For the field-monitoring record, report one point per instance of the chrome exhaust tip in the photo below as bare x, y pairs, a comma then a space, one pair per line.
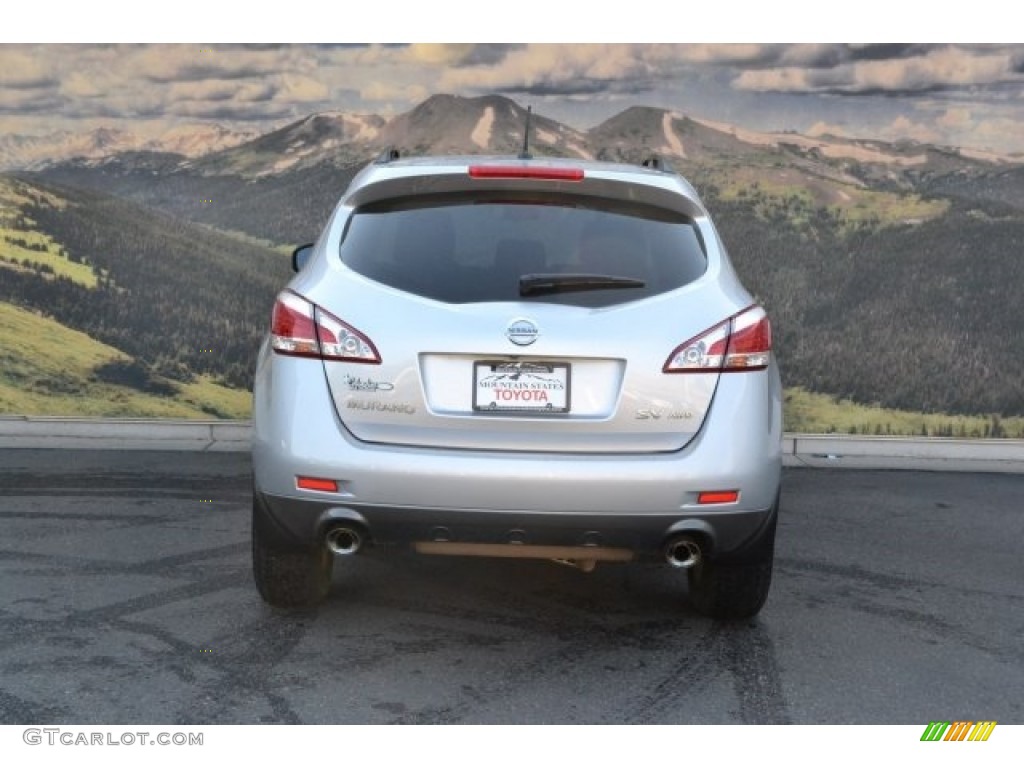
682, 552
344, 541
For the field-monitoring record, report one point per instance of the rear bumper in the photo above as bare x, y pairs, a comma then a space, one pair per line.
304, 524
404, 494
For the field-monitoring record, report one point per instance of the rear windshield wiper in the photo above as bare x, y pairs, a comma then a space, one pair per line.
532, 285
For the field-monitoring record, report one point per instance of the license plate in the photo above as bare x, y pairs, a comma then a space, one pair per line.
521, 387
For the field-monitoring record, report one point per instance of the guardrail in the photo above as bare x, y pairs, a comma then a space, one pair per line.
124, 434
932, 453
852, 451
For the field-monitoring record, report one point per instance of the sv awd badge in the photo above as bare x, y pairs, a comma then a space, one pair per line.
522, 332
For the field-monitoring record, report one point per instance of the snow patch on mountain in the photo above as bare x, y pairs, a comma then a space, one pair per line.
830, 149
481, 135
673, 145
364, 127
191, 140
573, 147
197, 139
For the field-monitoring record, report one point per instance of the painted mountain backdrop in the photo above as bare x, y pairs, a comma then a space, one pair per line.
136, 277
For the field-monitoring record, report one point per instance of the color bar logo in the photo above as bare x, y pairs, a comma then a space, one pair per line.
961, 730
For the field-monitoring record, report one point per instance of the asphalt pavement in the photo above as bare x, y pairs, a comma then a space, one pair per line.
126, 597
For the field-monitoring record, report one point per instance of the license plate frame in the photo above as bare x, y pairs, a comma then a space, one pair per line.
526, 388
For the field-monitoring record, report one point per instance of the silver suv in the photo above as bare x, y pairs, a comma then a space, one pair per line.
539, 358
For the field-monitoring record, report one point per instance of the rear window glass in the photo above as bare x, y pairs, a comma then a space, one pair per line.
462, 250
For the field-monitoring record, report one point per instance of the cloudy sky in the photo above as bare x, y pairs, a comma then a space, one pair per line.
955, 94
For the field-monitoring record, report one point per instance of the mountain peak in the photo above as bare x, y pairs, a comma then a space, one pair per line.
447, 124
449, 100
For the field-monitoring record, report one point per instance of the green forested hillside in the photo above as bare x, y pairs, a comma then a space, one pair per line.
287, 209
177, 297
919, 316
47, 368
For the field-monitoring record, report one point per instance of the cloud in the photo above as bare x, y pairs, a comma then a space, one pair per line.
955, 118
903, 128
220, 91
747, 54
490, 53
438, 54
564, 69
26, 101
165, 81
821, 128
391, 91
78, 85
960, 93
21, 69
999, 134
458, 54
229, 112
123, 104
782, 79
917, 69
177, 63
805, 55
880, 51
302, 89
979, 124
941, 68
802, 68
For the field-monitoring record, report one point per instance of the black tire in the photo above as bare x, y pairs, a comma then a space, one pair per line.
736, 588
288, 576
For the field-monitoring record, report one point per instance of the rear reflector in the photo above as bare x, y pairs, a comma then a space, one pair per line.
316, 484
717, 497
525, 172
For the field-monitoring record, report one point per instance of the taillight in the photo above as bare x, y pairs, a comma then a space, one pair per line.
300, 328
741, 343
525, 172
292, 330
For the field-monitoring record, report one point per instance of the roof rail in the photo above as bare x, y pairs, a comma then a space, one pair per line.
388, 155
658, 163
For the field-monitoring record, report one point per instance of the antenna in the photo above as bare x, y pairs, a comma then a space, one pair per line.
525, 154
